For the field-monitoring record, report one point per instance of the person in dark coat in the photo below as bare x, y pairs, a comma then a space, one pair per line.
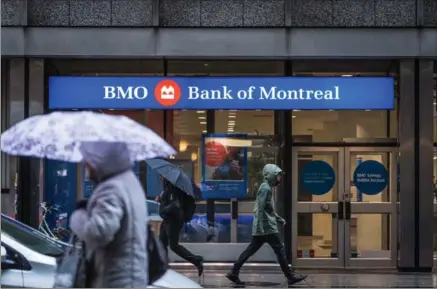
172, 215
265, 228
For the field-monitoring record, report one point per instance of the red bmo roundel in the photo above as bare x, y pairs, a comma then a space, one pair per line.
167, 92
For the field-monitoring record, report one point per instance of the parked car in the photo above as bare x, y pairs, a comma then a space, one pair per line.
28, 259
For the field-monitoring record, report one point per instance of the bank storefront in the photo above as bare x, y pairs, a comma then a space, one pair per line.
354, 138
341, 198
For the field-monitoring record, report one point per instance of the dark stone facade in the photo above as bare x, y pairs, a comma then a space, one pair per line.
221, 13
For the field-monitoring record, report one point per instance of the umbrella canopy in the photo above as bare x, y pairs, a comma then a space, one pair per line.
58, 135
174, 175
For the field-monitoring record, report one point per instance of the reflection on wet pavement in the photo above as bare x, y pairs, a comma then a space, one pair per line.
324, 280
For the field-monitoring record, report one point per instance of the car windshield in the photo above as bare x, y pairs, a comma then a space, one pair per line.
30, 238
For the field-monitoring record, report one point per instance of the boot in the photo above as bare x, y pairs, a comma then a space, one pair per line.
296, 278
233, 277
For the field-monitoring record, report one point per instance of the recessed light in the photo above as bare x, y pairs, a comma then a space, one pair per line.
204, 131
293, 116
203, 122
367, 109
347, 75
232, 116
233, 110
200, 111
296, 109
202, 117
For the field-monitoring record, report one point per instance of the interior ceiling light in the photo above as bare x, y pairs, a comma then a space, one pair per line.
233, 110
203, 131
200, 111
203, 122
347, 75
232, 116
293, 116
202, 117
194, 156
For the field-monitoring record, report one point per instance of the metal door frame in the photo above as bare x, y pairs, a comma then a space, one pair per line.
343, 226
389, 208
315, 207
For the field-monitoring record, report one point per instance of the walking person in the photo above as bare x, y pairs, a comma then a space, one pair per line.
113, 222
265, 228
171, 211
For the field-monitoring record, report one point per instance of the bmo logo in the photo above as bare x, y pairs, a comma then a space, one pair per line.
125, 92
167, 92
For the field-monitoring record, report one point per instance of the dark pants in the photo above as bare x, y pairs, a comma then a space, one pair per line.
256, 243
169, 236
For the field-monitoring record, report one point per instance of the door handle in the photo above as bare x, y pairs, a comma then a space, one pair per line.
347, 210
341, 210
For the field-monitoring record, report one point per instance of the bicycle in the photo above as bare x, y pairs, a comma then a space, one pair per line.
59, 232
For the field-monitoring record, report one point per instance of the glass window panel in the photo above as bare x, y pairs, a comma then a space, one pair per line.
336, 126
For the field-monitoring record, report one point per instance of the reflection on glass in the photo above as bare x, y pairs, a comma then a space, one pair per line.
335, 126
244, 232
317, 236
255, 164
252, 122
370, 236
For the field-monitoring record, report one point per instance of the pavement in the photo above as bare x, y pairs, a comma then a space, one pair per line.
213, 279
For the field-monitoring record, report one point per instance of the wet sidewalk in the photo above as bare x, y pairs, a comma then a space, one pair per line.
321, 280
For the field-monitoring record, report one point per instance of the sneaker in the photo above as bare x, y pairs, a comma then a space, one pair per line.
296, 278
235, 279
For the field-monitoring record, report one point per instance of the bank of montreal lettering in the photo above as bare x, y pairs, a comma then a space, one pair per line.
221, 93
224, 93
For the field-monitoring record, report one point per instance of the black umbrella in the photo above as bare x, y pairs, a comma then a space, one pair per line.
174, 175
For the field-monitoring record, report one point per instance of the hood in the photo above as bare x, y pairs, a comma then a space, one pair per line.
270, 172
107, 158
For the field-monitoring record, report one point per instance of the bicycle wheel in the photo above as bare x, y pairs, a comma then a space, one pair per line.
62, 234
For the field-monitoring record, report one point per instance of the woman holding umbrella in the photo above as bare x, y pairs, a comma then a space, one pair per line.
177, 205
111, 225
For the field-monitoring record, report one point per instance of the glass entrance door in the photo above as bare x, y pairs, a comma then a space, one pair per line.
344, 207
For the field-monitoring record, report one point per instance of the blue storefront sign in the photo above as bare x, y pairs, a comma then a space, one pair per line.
370, 177
244, 93
317, 178
224, 166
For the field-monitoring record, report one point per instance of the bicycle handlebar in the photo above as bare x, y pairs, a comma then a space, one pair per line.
47, 207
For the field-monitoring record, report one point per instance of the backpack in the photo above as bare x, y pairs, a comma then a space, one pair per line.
188, 206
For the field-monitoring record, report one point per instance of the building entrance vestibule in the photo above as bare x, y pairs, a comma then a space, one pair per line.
334, 224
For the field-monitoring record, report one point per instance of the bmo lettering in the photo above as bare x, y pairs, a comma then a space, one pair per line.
129, 92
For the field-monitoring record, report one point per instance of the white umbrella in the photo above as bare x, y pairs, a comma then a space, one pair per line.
57, 136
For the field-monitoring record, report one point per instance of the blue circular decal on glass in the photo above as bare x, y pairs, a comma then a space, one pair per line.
317, 177
370, 177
